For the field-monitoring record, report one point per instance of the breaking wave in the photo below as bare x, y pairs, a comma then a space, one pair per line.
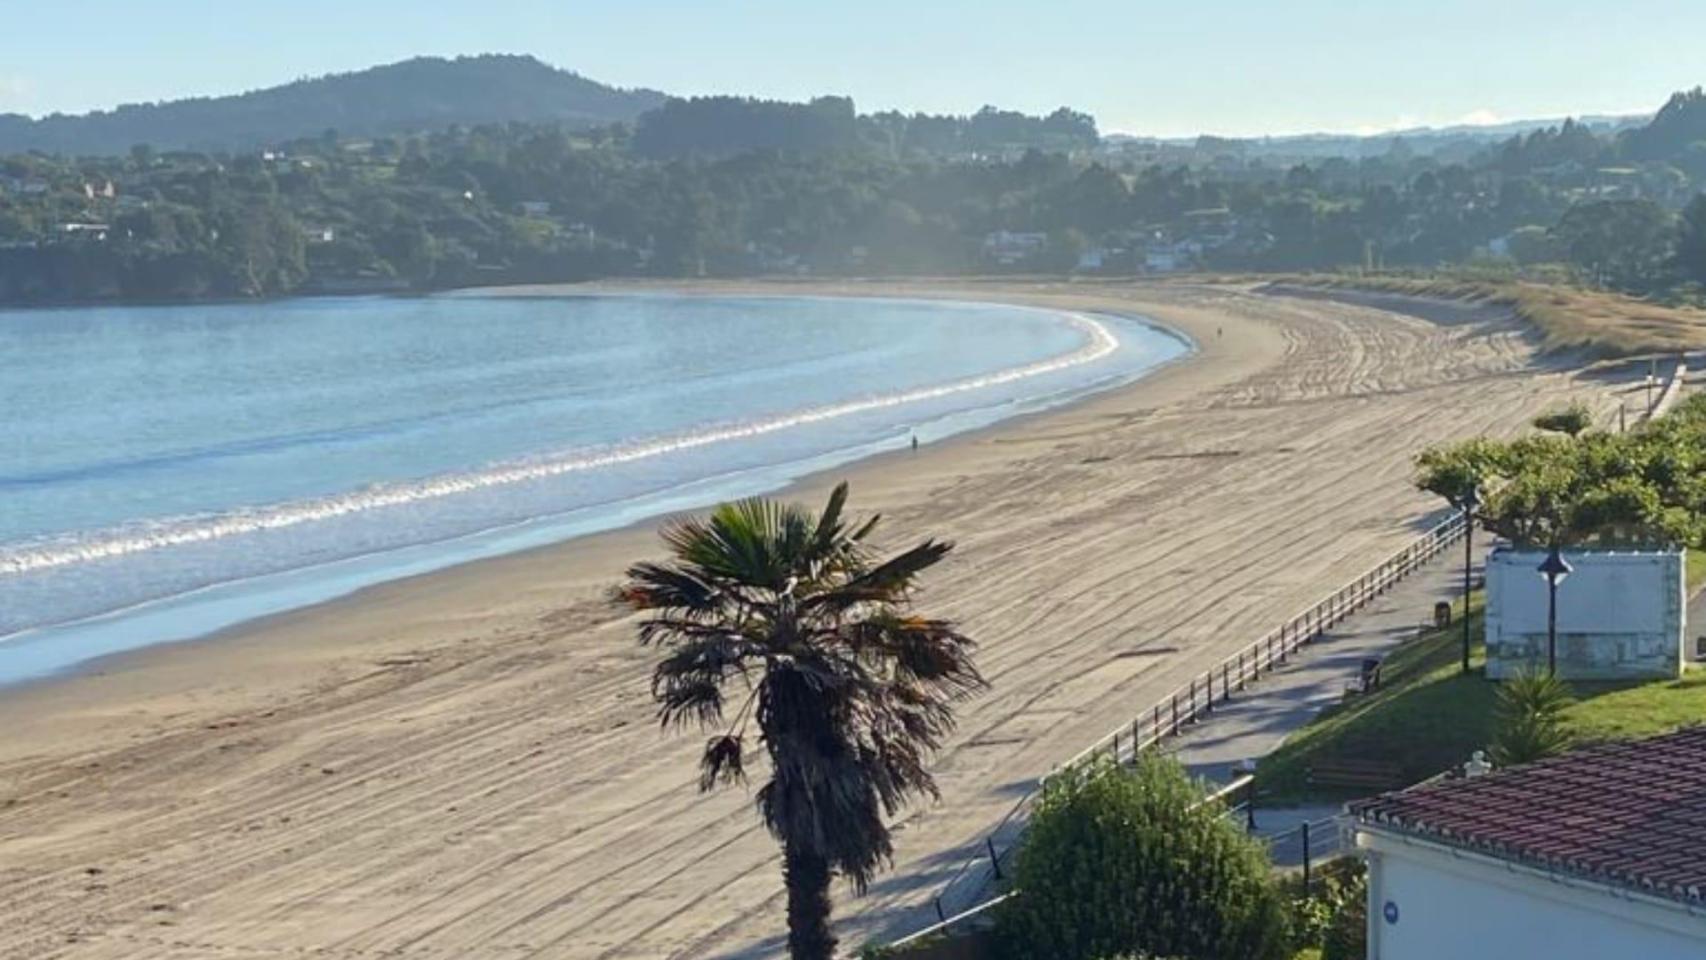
153, 535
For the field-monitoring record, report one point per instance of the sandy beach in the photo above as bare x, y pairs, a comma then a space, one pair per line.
466, 764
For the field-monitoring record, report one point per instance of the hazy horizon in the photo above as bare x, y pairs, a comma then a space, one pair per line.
1318, 66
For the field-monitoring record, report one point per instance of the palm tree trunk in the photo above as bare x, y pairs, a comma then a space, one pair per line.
806, 876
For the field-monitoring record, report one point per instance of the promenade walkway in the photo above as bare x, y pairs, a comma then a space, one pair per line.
1257, 719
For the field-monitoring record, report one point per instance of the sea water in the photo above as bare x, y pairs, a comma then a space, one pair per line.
169, 471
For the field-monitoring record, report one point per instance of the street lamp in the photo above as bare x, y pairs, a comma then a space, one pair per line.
1469, 501
1554, 568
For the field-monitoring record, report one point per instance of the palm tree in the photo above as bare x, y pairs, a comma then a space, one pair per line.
1529, 722
793, 615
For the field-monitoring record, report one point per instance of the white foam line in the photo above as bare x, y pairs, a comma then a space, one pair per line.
1101, 343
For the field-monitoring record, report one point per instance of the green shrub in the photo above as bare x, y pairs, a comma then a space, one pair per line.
1529, 719
1132, 860
1574, 420
1346, 934
1330, 918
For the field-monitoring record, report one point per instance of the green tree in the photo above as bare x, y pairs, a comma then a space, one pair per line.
1644, 487
1619, 243
1572, 420
1135, 860
409, 249
1331, 916
262, 250
1346, 934
1452, 472
1533, 244
1529, 719
850, 691
1691, 240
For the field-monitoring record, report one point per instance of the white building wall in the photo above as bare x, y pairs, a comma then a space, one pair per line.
1620, 614
1428, 904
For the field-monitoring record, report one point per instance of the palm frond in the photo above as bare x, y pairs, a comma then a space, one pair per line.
932, 652
887, 582
683, 698
722, 762
652, 586
829, 522
865, 529
688, 683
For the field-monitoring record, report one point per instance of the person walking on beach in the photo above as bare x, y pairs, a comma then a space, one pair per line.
915, 443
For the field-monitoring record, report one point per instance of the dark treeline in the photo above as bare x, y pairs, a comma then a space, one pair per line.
710, 126
729, 187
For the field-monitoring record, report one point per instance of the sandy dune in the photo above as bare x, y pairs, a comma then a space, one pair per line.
466, 765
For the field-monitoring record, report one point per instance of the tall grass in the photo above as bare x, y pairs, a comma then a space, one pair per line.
1567, 317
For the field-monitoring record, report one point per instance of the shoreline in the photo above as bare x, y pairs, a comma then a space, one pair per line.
638, 538
647, 511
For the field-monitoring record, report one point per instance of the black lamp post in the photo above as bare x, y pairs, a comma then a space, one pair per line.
1554, 568
1468, 502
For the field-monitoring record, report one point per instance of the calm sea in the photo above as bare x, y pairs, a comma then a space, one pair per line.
168, 471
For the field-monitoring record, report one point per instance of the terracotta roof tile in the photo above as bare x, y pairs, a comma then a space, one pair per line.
1631, 814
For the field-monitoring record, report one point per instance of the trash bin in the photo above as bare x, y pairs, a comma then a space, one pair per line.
1442, 614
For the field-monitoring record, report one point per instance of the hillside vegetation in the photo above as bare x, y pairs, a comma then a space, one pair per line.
730, 186
425, 93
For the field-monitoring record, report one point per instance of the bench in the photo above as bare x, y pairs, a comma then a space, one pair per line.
1356, 773
1368, 677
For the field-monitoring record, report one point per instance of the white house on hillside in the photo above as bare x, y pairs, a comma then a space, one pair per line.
1595, 855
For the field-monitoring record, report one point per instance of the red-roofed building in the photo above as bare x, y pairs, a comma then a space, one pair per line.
1595, 855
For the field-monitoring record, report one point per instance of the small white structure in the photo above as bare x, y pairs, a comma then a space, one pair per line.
1008, 248
1589, 856
1091, 259
96, 230
1621, 614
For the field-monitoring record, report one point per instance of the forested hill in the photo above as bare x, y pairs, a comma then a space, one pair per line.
426, 93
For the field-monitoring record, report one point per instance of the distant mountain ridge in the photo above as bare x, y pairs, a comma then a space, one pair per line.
1503, 130
423, 93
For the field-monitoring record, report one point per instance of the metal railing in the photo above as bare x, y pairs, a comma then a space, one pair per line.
1672, 390
1168, 716
1305, 846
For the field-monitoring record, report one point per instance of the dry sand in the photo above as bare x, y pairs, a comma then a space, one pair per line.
465, 765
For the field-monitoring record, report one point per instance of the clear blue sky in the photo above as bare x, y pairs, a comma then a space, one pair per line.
1176, 67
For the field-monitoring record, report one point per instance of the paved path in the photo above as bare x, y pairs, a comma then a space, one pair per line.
1260, 717
1281, 828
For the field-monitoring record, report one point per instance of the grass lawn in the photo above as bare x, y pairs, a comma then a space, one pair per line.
1428, 715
